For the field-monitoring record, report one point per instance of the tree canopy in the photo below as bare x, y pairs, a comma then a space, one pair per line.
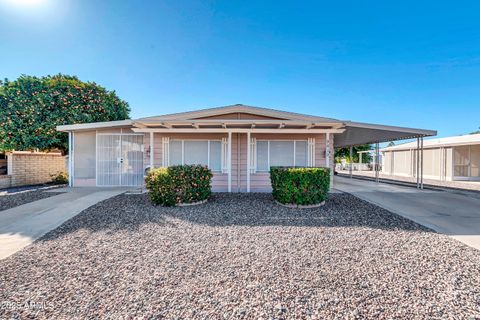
32, 107
345, 153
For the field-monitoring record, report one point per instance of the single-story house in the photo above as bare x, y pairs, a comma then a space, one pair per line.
445, 159
238, 143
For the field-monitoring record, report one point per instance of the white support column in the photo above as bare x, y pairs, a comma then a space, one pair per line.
421, 163
417, 160
351, 162
377, 165
229, 158
70, 180
248, 160
72, 174
151, 150
327, 150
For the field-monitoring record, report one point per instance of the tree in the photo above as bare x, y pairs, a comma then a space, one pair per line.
32, 107
476, 132
341, 153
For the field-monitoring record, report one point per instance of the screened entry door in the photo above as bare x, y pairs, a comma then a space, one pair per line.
119, 160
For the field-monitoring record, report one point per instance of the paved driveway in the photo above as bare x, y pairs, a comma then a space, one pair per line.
449, 212
20, 226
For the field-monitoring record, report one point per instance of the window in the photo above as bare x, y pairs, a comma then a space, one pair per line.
286, 153
204, 152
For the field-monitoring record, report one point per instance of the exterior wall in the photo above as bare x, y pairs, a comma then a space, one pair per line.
449, 164
438, 164
84, 151
219, 180
5, 181
259, 181
84, 159
30, 168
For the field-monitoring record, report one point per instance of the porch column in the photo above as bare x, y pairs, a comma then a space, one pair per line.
351, 162
70, 180
327, 150
229, 161
248, 161
151, 150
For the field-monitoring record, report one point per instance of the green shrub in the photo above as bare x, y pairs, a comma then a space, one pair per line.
60, 178
179, 184
300, 186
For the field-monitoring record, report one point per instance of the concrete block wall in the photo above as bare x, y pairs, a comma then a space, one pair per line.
29, 168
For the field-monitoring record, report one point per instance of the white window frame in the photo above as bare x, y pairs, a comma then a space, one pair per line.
208, 151
268, 151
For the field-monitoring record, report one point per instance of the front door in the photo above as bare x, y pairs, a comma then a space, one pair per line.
119, 159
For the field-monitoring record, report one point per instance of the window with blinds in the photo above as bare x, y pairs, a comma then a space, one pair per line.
281, 153
203, 152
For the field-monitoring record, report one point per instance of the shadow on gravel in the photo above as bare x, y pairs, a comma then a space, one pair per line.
130, 212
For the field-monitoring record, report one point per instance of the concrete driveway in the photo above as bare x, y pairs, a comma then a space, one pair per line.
20, 226
452, 213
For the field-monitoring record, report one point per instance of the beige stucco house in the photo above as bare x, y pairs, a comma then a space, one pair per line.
446, 159
238, 143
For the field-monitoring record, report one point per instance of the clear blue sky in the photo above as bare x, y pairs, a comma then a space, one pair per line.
407, 63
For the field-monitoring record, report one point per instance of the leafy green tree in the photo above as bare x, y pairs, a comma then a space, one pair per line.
341, 153
475, 132
32, 107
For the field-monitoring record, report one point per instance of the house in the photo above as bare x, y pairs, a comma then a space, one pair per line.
446, 159
239, 143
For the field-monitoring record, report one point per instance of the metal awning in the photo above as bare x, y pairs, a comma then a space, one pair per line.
358, 133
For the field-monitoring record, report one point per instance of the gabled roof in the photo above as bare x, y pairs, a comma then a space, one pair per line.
240, 108
220, 119
440, 142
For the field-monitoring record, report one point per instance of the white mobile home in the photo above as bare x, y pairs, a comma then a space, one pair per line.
447, 159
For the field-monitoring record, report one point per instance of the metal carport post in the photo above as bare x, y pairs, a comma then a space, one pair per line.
377, 162
419, 162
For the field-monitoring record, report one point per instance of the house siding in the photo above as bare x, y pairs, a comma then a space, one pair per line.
259, 181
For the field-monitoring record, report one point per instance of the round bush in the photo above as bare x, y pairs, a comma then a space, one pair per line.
300, 186
179, 184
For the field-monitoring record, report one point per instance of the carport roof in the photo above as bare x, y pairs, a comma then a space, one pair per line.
358, 133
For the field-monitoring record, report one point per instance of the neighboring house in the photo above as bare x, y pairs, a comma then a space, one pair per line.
445, 159
239, 143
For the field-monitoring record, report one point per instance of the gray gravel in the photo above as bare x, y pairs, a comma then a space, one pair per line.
10, 198
242, 256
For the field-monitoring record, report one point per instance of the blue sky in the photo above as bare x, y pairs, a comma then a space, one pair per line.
407, 63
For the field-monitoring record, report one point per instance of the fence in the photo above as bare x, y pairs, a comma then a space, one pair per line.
30, 168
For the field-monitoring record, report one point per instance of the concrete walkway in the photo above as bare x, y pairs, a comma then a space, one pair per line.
22, 225
452, 213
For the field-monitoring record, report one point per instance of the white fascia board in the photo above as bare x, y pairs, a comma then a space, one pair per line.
94, 125
415, 131
238, 130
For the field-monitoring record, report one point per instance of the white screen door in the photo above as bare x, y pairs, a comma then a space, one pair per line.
119, 160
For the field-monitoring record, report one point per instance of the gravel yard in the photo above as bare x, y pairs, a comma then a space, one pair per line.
10, 198
241, 256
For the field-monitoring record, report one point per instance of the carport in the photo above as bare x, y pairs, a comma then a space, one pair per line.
358, 133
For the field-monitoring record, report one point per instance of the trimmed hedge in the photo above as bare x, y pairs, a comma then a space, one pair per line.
300, 186
179, 184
